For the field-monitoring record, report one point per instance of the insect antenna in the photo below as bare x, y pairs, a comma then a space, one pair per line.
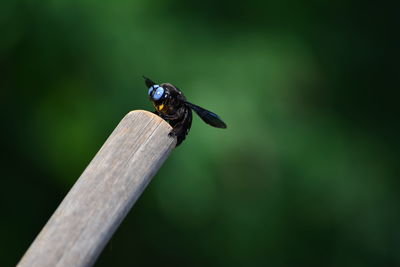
148, 82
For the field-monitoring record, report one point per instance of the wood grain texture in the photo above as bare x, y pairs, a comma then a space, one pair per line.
100, 199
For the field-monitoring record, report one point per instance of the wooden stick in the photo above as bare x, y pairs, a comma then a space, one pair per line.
100, 199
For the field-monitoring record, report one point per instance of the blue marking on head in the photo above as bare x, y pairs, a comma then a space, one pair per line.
152, 88
158, 93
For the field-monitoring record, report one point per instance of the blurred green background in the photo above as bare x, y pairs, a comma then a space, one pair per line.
305, 174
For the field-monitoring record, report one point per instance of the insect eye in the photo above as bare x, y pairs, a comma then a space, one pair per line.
152, 88
158, 93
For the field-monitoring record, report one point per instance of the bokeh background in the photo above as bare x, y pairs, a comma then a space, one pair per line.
306, 173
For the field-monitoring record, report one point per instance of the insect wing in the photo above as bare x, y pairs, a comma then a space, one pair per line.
207, 116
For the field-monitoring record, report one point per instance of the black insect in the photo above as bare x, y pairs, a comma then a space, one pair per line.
171, 105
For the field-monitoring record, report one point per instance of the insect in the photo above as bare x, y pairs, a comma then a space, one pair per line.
171, 105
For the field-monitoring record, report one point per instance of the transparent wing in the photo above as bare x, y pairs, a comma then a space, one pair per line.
207, 116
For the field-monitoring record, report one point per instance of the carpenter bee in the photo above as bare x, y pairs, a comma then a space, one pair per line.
171, 105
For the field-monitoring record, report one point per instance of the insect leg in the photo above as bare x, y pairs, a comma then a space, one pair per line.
182, 126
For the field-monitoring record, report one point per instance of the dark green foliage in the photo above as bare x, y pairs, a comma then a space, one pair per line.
306, 174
